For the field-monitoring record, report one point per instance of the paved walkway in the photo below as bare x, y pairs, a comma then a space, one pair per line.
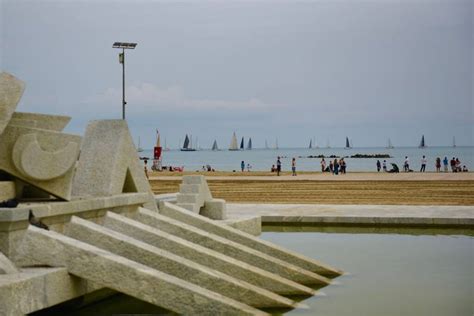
400, 215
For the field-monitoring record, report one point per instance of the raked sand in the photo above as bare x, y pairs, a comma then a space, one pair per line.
362, 188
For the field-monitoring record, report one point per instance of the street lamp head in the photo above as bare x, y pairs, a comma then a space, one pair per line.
124, 45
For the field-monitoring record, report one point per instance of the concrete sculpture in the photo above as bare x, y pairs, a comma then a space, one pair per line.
107, 233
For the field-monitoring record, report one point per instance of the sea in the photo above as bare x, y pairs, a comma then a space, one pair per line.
263, 159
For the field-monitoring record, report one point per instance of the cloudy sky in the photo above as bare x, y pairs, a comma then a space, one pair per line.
293, 70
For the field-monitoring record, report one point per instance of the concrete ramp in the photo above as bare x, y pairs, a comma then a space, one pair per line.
169, 263
229, 248
248, 240
127, 276
205, 256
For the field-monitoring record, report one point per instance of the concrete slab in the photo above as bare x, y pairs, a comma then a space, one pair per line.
205, 256
6, 266
7, 190
248, 240
127, 276
229, 248
179, 267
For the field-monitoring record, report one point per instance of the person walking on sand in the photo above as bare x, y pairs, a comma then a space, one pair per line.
278, 166
242, 166
445, 164
406, 164
423, 164
384, 165
323, 165
378, 165
293, 166
438, 164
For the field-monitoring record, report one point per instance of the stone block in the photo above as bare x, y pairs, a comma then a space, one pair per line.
191, 207
169, 263
109, 163
7, 190
6, 266
43, 121
190, 188
214, 209
127, 276
11, 90
248, 240
249, 224
229, 248
204, 256
184, 198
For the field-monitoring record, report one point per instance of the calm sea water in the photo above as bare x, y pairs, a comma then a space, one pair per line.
262, 159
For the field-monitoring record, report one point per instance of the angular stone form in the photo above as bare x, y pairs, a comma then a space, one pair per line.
43, 121
109, 164
11, 90
6, 266
127, 276
179, 267
229, 248
248, 240
205, 256
195, 196
42, 158
7, 190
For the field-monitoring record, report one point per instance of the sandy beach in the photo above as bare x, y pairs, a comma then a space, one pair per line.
316, 188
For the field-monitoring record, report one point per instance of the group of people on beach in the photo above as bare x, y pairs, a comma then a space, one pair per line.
335, 166
455, 164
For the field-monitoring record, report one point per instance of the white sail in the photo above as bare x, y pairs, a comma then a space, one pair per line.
454, 141
266, 144
158, 139
389, 145
276, 143
233, 143
139, 148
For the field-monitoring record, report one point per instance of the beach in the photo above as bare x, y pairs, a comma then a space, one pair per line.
359, 188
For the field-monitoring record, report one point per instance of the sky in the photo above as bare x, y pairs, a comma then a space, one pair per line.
292, 70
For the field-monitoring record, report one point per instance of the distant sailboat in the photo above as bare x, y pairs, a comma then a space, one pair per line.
327, 144
276, 143
348, 145
139, 148
233, 143
454, 142
389, 145
187, 145
242, 144
249, 144
422, 143
266, 145
310, 144
214, 146
166, 147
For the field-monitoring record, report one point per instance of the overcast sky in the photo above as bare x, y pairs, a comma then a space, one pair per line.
293, 70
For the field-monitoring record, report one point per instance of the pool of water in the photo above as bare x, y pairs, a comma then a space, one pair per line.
388, 273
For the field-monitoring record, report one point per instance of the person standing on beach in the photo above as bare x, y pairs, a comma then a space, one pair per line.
278, 166
378, 165
331, 166
293, 166
242, 166
323, 165
336, 167
445, 163
384, 165
423, 164
342, 164
406, 164
438, 164
453, 164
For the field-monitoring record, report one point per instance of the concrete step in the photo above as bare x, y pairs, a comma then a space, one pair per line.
190, 188
190, 207
179, 267
189, 198
204, 256
229, 248
248, 240
127, 276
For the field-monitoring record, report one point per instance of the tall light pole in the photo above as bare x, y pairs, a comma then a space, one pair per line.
123, 46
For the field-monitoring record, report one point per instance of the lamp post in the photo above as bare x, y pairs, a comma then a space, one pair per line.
123, 46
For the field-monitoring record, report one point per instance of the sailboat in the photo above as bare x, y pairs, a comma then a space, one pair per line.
187, 146
233, 143
242, 144
348, 145
389, 145
327, 144
422, 143
454, 142
310, 144
139, 148
276, 143
249, 144
266, 145
166, 147
214, 146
